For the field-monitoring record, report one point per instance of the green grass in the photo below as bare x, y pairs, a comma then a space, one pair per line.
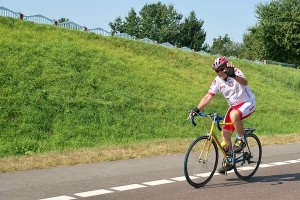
64, 90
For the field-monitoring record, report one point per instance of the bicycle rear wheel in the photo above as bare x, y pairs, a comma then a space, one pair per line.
247, 162
200, 161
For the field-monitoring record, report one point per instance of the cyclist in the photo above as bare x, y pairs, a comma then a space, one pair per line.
233, 85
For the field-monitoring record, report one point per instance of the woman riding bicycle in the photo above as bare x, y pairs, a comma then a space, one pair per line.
233, 85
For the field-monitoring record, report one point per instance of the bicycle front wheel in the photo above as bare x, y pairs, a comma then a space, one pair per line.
200, 161
247, 162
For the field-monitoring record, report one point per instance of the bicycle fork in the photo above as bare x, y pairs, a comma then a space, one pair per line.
207, 146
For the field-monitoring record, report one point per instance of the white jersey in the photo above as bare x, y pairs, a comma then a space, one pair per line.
233, 92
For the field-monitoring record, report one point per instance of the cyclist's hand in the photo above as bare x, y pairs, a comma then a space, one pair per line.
194, 112
230, 70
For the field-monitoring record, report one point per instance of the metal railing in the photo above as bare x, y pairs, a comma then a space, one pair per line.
9, 13
39, 19
72, 25
99, 31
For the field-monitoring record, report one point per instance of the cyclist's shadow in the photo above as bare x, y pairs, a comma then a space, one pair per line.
273, 179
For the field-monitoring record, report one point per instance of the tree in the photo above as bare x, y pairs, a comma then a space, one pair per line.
132, 23
61, 20
252, 44
117, 25
220, 45
277, 34
163, 24
192, 34
226, 47
160, 22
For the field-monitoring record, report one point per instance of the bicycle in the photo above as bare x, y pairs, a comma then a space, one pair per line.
201, 159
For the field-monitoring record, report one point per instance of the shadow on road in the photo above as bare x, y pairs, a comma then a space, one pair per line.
273, 179
276, 179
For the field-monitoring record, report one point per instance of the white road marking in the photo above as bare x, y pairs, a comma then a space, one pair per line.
159, 182
180, 178
93, 193
204, 174
246, 168
265, 165
128, 187
193, 177
279, 163
60, 198
292, 161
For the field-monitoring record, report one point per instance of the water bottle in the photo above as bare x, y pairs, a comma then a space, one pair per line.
225, 147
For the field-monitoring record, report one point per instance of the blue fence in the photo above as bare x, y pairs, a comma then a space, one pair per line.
72, 25
9, 13
40, 19
99, 31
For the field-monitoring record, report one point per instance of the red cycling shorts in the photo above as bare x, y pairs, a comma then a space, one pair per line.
245, 109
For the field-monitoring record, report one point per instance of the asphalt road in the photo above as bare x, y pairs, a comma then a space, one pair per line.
156, 178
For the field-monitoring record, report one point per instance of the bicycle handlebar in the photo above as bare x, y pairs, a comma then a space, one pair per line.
214, 117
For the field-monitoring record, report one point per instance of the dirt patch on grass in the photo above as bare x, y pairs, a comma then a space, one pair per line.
110, 153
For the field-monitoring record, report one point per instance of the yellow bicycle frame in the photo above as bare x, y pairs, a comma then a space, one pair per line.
212, 136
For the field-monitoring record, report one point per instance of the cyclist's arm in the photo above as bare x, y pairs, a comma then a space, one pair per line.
205, 100
241, 80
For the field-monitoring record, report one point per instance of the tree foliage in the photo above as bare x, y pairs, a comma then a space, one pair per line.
192, 34
162, 23
63, 19
117, 25
276, 36
131, 24
226, 47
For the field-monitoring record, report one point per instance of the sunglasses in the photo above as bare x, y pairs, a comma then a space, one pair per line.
218, 70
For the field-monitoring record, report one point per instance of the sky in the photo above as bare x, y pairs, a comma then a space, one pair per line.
232, 17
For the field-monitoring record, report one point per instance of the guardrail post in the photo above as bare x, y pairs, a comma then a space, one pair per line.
21, 16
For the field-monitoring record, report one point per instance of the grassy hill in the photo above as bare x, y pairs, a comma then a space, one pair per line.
63, 89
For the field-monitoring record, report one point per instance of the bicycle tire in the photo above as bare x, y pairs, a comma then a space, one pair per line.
199, 172
250, 156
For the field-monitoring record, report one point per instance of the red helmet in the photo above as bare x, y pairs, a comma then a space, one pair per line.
219, 62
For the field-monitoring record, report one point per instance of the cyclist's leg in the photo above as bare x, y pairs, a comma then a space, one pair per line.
226, 136
236, 119
239, 113
227, 130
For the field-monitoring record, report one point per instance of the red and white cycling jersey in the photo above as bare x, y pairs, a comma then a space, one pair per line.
233, 92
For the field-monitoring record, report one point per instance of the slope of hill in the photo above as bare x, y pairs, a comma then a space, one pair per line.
63, 89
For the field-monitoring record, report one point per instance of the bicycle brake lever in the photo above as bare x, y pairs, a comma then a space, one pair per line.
193, 121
